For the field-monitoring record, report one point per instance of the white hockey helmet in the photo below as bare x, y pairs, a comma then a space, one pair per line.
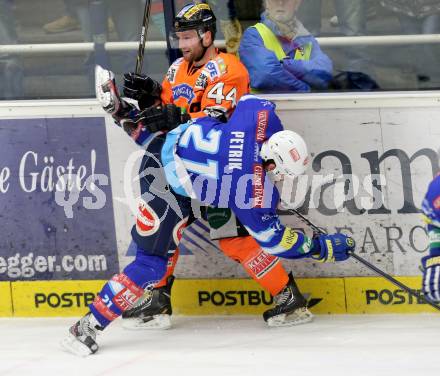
288, 150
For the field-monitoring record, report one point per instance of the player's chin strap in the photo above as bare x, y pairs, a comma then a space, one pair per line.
318, 231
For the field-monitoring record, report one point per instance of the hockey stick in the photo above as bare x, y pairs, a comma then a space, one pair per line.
317, 230
143, 38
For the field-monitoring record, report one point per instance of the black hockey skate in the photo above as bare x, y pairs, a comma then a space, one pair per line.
152, 311
290, 307
81, 340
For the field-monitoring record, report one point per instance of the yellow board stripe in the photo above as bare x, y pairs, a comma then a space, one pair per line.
53, 298
5, 299
243, 296
353, 295
375, 295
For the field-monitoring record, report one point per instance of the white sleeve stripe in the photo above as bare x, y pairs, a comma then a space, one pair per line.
426, 279
436, 283
263, 236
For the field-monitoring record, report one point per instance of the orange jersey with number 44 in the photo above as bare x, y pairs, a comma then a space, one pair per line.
218, 84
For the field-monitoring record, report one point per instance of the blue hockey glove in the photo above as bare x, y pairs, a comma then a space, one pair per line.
331, 248
431, 277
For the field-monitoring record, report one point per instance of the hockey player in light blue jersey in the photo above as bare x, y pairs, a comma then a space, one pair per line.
431, 263
226, 165
223, 165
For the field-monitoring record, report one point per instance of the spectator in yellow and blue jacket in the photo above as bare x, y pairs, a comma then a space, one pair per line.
281, 55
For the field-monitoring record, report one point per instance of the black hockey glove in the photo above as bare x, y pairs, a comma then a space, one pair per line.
163, 118
143, 89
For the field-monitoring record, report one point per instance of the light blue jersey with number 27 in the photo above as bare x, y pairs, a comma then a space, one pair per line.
219, 164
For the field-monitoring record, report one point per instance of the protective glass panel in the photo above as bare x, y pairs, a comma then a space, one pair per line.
60, 62
336, 45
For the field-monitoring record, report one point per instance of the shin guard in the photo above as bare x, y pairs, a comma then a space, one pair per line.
264, 268
123, 290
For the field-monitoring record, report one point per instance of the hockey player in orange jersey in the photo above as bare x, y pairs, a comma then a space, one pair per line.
204, 82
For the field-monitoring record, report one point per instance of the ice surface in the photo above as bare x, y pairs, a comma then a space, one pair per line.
331, 345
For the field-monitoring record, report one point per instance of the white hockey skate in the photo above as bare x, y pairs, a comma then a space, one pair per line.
290, 307
81, 340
